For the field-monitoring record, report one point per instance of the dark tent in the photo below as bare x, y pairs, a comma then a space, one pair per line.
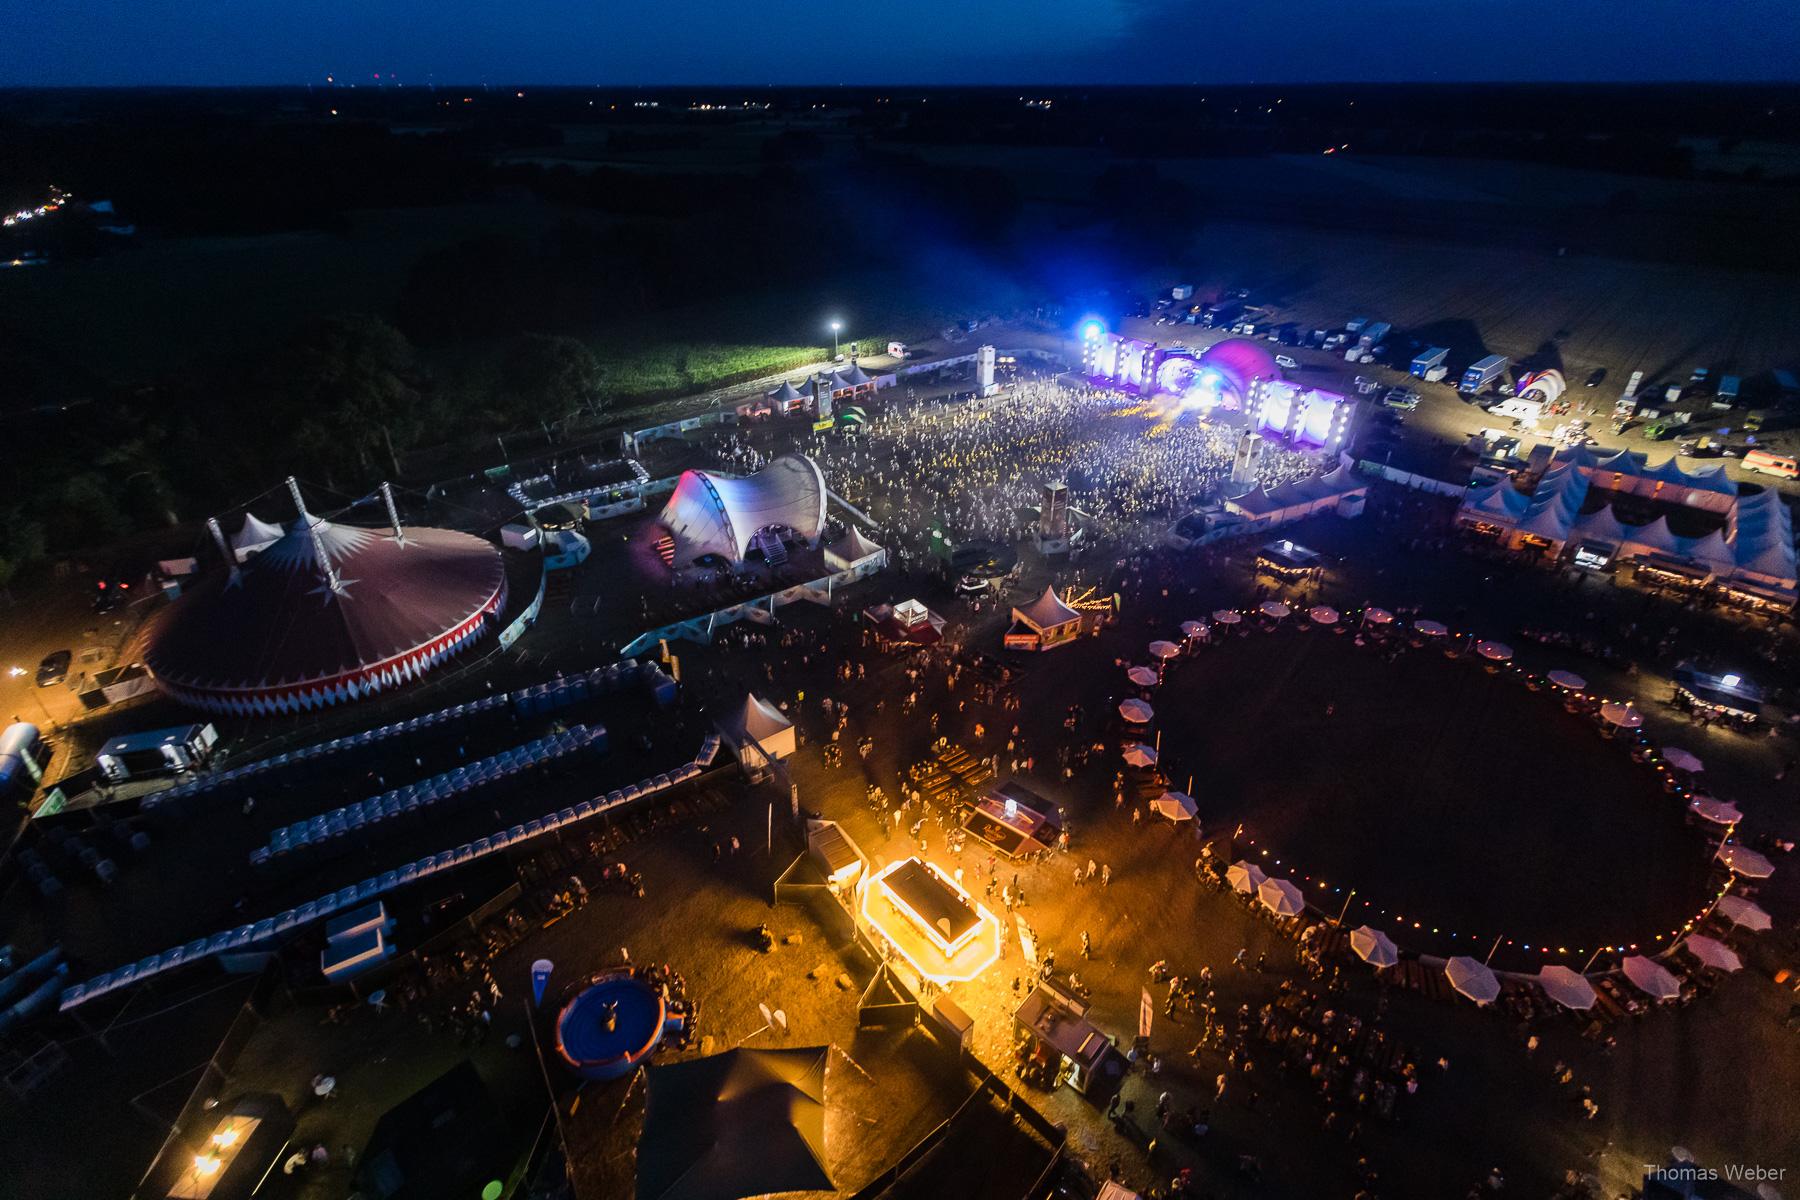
446, 1141
742, 1123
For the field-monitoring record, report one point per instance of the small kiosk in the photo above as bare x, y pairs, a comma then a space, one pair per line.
1044, 624
1057, 1040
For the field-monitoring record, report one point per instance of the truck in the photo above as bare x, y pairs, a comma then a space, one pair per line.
1729, 387
158, 752
1432, 356
1482, 373
1373, 333
1182, 291
1355, 325
1221, 314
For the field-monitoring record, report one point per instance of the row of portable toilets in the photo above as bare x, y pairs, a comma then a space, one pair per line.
414, 797
261, 935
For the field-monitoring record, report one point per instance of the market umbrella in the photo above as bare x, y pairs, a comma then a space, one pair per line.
1431, 628
1140, 755
1683, 760
1745, 861
1622, 715
1193, 629
1568, 987
1164, 650
1136, 711
1142, 676
1177, 806
1494, 651
1374, 947
1568, 681
1228, 616
1472, 979
1746, 914
1651, 977
1324, 614
1281, 897
1275, 609
1719, 812
1713, 952
1244, 877
1380, 616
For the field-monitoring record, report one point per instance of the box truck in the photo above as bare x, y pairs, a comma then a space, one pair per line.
1432, 357
1483, 373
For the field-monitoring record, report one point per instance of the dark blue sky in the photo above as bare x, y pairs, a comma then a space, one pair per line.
77, 42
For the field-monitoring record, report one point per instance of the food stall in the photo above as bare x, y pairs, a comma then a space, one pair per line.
1056, 1042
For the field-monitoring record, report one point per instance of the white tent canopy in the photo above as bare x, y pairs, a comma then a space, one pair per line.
759, 723
714, 513
1374, 947
1651, 977
1567, 987
1281, 897
1472, 979
256, 536
1244, 877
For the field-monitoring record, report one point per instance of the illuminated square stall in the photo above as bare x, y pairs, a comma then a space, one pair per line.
930, 922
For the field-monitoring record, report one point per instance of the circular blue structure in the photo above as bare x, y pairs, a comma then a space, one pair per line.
611, 1026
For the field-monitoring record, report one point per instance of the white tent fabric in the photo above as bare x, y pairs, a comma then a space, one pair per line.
1745, 914
1281, 897
759, 723
1374, 947
1192, 628
1324, 614
1140, 755
1719, 812
256, 536
1164, 650
1431, 628
1175, 806
1275, 609
1651, 977
714, 513
1567, 987
1472, 979
853, 547
1244, 877
1713, 953
1046, 612
1744, 861
1683, 760
1568, 680
1622, 715
1228, 616
1494, 651
1378, 616
1136, 711
1142, 676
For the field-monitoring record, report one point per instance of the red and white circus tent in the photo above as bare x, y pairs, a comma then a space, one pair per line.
327, 613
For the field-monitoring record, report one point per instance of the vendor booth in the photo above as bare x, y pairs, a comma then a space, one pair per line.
1057, 1039
930, 922
1043, 624
1722, 695
759, 733
1014, 820
904, 626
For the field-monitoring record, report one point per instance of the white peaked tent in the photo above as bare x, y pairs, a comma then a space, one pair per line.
759, 723
1043, 623
255, 537
850, 549
714, 513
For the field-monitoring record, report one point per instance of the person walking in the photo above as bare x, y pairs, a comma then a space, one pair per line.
1087, 947
1106, 875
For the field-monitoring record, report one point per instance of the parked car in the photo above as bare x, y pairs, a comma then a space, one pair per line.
1400, 398
54, 669
1596, 377
1286, 361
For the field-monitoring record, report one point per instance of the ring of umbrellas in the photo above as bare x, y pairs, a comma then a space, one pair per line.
1676, 960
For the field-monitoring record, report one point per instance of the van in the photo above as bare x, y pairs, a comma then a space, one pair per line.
1769, 463
1286, 362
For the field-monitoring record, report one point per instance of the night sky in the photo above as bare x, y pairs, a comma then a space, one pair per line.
219, 42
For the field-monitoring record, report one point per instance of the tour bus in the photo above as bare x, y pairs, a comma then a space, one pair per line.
1770, 463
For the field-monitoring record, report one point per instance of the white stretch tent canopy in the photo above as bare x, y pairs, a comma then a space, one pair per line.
713, 513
